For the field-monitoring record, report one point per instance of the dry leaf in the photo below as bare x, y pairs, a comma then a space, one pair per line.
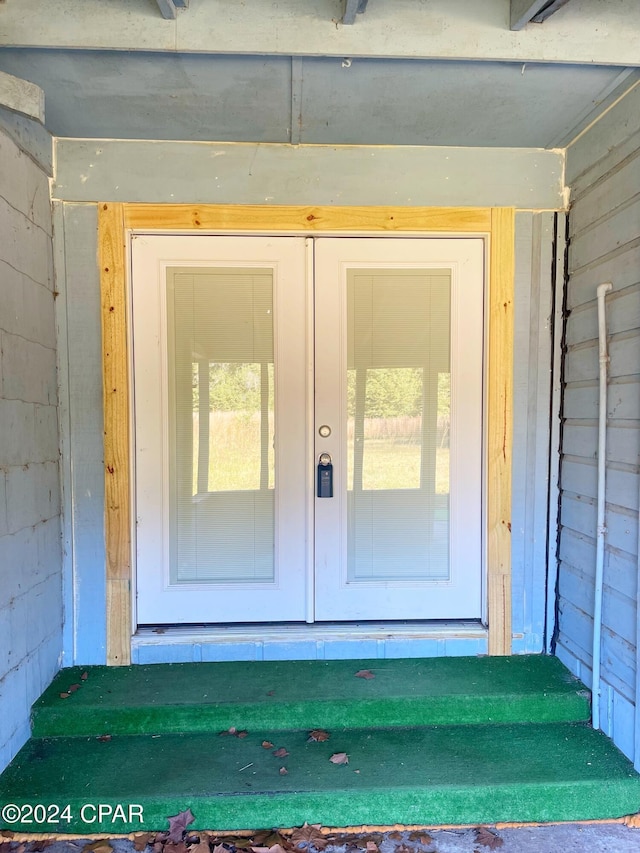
271, 838
372, 847
235, 732
365, 673
201, 847
84, 676
309, 834
339, 758
175, 847
178, 825
266, 744
276, 848
65, 695
141, 840
220, 848
283, 772
318, 735
100, 846
104, 738
281, 753
488, 838
73, 687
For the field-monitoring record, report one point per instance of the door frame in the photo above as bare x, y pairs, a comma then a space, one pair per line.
117, 220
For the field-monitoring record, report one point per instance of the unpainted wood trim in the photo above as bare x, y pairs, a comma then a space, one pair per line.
115, 219
500, 428
278, 218
117, 442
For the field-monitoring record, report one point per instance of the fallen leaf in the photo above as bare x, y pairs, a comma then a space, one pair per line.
178, 825
104, 738
235, 732
309, 834
339, 758
73, 687
276, 848
280, 753
365, 673
84, 676
372, 847
266, 744
141, 840
241, 842
270, 838
488, 838
65, 695
201, 847
175, 847
100, 846
283, 772
242, 733
318, 735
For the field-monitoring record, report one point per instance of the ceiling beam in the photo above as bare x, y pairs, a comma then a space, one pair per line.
353, 8
167, 9
548, 10
525, 11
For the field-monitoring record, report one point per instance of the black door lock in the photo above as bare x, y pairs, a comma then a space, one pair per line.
325, 476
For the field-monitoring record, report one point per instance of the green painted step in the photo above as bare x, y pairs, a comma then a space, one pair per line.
436, 775
210, 697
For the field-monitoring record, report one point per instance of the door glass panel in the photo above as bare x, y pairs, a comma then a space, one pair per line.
221, 425
398, 410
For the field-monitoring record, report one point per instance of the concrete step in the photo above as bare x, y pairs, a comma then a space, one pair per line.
271, 695
470, 774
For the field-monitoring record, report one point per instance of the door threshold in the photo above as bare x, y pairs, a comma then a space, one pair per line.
299, 641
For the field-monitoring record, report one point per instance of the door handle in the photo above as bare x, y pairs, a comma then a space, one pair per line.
325, 476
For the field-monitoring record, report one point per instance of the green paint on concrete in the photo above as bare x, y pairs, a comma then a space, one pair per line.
209, 697
449, 774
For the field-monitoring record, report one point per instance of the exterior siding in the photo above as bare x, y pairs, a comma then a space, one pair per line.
604, 173
30, 551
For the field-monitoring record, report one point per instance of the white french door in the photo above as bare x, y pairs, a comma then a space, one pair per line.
243, 382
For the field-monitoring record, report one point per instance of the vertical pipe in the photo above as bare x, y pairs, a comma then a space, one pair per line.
603, 359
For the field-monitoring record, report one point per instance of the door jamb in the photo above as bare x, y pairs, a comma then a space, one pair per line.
114, 222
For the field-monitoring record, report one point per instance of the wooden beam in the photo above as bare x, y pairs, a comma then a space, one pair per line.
522, 11
353, 8
500, 428
117, 443
168, 9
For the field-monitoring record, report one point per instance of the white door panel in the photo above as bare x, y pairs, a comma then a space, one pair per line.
399, 326
220, 372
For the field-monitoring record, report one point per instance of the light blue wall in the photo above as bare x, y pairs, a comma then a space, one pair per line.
30, 551
223, 173
604, 173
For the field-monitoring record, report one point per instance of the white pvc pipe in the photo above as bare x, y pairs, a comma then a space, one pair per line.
603, 359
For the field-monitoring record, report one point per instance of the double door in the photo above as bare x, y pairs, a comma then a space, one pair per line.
308, 428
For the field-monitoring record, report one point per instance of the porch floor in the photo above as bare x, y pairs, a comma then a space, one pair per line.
436, 741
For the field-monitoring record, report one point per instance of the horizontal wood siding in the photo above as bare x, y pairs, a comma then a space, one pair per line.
604, 171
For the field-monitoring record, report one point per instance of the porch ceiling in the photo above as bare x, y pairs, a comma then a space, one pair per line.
324, 100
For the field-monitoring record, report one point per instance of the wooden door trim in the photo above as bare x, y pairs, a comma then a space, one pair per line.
114, 221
